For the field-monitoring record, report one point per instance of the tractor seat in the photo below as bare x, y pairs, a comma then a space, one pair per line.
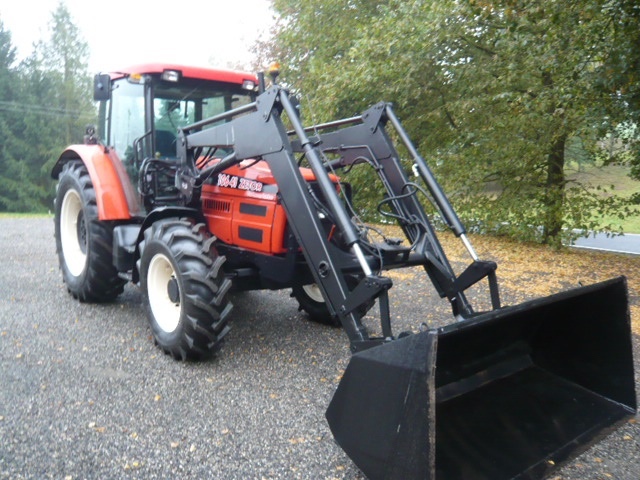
165, 144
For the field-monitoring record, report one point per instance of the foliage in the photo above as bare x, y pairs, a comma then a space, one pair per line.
497, 94
44, 106
9, 118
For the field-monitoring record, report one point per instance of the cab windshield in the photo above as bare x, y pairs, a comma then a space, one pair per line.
178, 105
145, 117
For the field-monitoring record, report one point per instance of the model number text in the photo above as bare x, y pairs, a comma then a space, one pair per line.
232, 181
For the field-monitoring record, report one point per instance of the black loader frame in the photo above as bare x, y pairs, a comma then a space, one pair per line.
502, 394
261, 134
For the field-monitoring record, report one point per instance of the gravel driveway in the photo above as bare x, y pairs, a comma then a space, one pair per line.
86, 395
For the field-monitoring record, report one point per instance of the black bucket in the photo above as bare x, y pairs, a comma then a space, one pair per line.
509, 394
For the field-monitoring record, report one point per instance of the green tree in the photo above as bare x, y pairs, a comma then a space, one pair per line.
619, 76
56, 94
532, 87
64, 59
16, 188
493, 92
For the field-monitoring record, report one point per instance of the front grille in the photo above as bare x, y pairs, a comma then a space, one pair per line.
221, 206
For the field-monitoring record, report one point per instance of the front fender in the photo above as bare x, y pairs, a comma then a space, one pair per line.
115, 196
160, 214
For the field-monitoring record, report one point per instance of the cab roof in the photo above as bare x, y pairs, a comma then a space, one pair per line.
187, 71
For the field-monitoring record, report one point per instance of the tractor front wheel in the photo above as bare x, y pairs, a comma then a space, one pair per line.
83, 242
184, 288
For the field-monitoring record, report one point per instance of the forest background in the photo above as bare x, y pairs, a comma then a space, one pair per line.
526, 111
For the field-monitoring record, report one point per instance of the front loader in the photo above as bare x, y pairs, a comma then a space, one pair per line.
250, 198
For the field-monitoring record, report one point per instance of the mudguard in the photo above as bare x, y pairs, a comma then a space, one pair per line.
115, 196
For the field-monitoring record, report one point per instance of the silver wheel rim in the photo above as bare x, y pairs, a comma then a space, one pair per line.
75, 256
314, 293
165, 312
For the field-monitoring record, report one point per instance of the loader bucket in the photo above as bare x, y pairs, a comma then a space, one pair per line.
508, 394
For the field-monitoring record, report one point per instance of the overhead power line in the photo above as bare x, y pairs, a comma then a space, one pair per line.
40, 110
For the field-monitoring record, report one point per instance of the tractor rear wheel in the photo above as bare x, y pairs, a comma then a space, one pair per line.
184, 288
310, 300
83, 242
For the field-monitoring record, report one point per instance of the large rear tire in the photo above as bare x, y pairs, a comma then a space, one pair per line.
310, 300
83, 242
184, 288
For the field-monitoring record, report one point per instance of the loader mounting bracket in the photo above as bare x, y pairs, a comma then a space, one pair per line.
475, 272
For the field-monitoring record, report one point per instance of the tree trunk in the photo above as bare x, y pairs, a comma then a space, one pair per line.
555, 193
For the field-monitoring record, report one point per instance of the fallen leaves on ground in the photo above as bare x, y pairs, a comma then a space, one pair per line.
527, 271
532, 271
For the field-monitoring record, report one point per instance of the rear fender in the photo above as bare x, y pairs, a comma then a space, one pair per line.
115, 196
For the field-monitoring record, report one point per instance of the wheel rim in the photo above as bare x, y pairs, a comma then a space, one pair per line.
314, 293
73, 233
161, 279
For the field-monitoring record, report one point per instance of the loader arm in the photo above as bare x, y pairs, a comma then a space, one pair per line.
257, 131
261, 134
366, 139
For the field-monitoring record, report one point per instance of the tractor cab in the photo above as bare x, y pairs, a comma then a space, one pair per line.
142, 108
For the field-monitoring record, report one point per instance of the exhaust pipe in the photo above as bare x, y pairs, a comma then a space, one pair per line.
509, 394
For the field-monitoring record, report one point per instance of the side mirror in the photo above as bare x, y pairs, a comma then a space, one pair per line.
101, 87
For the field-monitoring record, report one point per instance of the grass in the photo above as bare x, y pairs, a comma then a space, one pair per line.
630, 224
616, 176
25, 215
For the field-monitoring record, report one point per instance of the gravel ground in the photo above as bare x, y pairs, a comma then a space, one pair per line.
86, 395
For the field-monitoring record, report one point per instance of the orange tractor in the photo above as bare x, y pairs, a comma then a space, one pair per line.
197, 187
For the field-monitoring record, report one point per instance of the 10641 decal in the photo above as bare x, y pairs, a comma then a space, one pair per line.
241, 183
